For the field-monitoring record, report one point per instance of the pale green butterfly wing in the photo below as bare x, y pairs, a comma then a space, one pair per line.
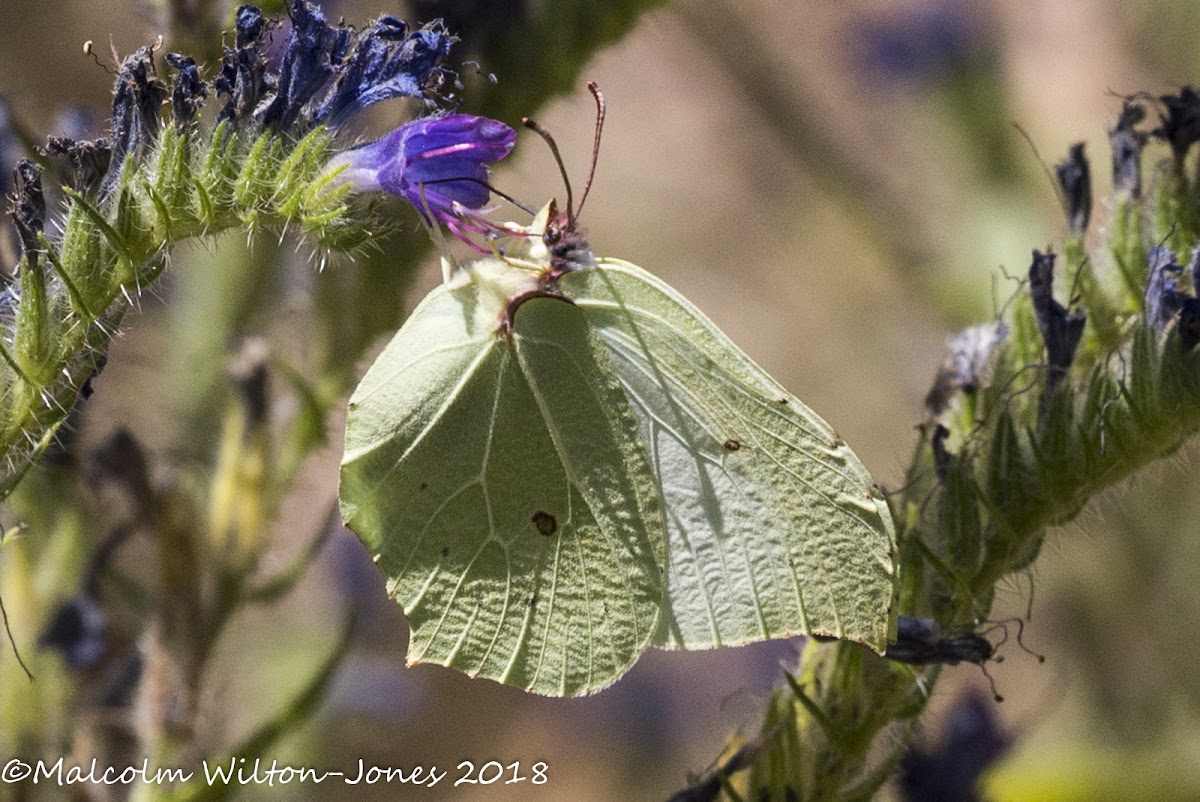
504, 490
774, 526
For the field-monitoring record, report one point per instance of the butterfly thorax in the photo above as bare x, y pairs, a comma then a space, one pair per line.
566, 243
530, 270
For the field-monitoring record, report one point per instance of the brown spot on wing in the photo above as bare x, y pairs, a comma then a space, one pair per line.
545, 523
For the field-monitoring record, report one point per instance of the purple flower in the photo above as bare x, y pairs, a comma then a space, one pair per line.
438, 164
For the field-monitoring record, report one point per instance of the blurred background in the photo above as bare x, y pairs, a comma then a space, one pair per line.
840, 186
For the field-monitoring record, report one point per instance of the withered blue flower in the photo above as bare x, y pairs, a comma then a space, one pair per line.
314, 51
327, 73
1075, 178
243, 75
28, 206
1163, 300
1127, 143
138, 95
972, 741
387, 61
77, 632
1061, 330
438, 164
1180, 123
187, 92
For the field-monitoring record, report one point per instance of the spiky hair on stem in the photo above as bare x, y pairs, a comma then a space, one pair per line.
162, 175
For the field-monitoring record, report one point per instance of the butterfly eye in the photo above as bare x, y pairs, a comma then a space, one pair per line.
553, 235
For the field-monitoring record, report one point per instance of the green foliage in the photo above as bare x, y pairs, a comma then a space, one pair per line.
1021, 452
74, 297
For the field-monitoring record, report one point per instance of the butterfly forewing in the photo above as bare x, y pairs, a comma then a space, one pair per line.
502, 485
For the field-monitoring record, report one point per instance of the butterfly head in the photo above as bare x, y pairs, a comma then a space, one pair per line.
565, 241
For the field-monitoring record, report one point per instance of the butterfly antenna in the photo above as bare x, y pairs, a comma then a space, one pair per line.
535, 126
601, 110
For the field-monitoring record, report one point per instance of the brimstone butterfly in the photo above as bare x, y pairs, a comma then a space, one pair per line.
559, 462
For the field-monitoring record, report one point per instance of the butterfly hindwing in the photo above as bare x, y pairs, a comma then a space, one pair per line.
774, 525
